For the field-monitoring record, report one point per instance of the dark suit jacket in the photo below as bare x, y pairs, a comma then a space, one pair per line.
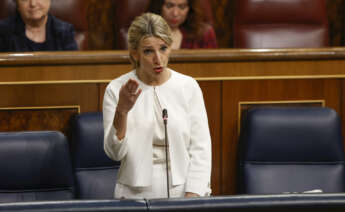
59, 36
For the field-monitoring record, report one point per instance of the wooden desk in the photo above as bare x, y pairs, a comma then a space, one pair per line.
43, 90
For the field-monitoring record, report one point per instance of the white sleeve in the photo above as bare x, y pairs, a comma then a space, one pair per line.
199, 172
115, 149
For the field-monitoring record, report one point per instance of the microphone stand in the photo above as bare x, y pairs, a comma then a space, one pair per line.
165, 119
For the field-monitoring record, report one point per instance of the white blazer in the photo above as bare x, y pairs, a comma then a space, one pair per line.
188, 132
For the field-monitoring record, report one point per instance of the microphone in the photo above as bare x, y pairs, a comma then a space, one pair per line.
165, 120
165, 116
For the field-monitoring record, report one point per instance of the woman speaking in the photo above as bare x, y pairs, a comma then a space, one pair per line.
133, 125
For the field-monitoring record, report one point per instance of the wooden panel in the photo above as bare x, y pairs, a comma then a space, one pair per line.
102, 88
101, 67
335, 12
212, 98
38, 118
83, 95
342, 107
264, 90
100, 17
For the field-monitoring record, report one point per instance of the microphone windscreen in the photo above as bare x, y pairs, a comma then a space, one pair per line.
165, 113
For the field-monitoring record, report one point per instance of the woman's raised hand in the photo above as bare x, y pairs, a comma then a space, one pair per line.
128, 95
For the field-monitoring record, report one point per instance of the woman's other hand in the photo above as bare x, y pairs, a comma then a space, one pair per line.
190, 194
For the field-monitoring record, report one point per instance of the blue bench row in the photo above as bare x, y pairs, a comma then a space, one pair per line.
45, 165
39, 166
257, 203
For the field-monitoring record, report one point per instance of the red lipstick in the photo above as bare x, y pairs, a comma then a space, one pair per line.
158, 69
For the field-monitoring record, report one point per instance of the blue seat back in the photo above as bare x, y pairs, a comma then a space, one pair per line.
291, 150
95, 173
35, 166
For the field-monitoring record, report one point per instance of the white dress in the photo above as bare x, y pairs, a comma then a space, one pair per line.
140, 175
158, 189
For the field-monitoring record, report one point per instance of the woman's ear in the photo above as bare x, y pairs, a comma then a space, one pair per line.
134, 54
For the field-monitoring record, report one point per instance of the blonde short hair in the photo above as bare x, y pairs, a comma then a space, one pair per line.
147, 25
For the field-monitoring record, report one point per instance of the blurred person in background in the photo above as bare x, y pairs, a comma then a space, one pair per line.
32, 28
185, 19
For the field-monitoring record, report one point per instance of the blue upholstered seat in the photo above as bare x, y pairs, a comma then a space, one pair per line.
95, 173
291, 150
35, 166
